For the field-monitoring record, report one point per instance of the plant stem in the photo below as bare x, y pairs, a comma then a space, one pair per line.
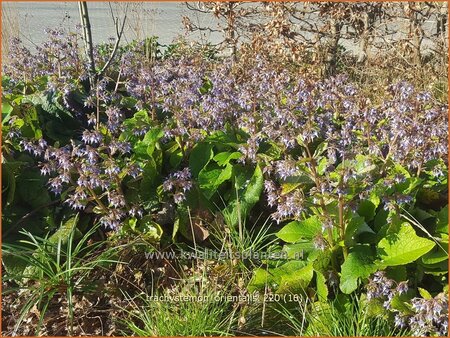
342, 224
99, 202
322, 201
97, 121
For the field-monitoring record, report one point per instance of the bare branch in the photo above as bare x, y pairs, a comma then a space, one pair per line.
119, 34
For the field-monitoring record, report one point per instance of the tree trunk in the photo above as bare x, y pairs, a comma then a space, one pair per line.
88, 44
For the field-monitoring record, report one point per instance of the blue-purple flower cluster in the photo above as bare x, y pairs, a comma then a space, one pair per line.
178, 183
427, 316
91, 170
275, 105
190, 97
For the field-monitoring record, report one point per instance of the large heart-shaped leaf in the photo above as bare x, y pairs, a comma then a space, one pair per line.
249, 186
296, 230
225, 157
403, 246
200, 157
291, 273
356, 226
358, 264
297, 281
212, 176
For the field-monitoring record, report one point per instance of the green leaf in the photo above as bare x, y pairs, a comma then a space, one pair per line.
260, 279
358, 265
150, 230
128, 102
288, 268
151, 138
6, 110
322, 165
421, 215
401, 170
176, 227
397, 273
131, 223
223, 138
211, 177
64, 231
293, 182
403, 247
442, 220
148, 182
296, 230
225, 157
273, 151
321, 260
175, 158
247, 195
18, 123
286, 188
173, 154
272, 276
200, 157
356, 226
252, 191
140, 149
13, 264
320, 149
400, 303
363, 164
414, 182
367, 209
425, 294
298, 250
291, 274
439, 254
297, 281
321, 286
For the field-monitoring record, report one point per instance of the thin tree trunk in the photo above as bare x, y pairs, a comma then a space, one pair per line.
88, 44
364, 41
333, 48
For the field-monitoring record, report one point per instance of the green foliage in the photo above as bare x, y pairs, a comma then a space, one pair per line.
348, 318
290, 277
341, 214
297, 230
187, 311
403, 246
248, 186
45, 266
211, 177
358, 265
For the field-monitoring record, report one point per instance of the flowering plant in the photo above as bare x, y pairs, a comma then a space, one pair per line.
357, 186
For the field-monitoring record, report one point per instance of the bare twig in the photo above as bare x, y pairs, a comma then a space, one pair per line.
119, 33
94, 76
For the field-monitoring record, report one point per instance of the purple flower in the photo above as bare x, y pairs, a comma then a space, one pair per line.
179, 183
320, 243
116, 200
120, 147
55, 185
284, 169
92, 137
112, 219
402, 287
